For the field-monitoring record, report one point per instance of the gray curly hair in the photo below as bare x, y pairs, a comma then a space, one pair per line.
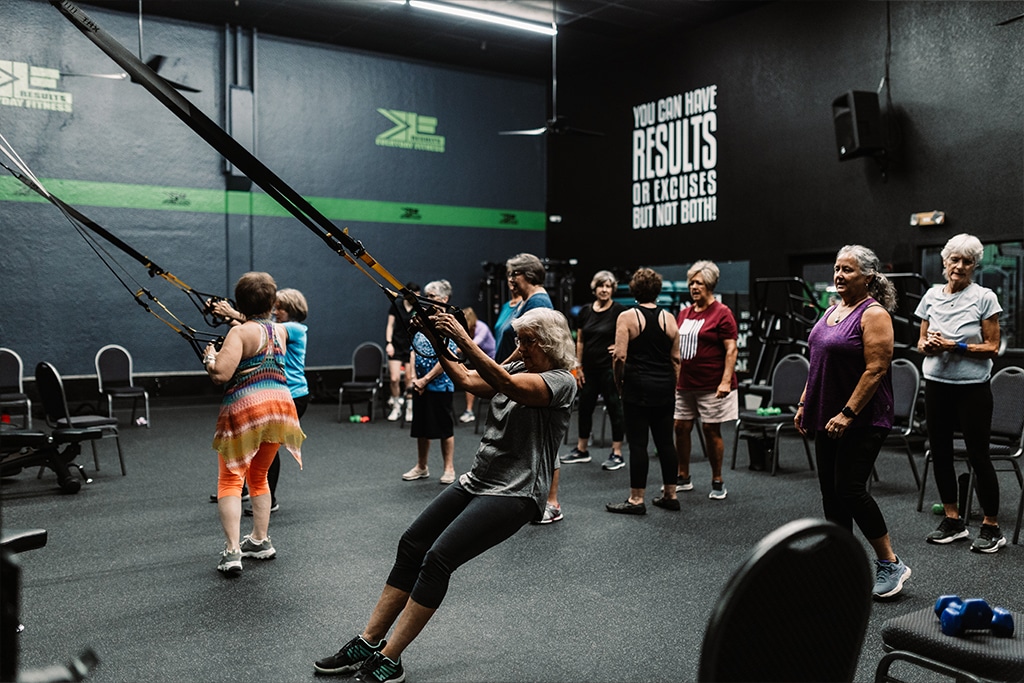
880, 287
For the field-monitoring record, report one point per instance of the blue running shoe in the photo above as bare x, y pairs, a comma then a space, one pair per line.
889, 578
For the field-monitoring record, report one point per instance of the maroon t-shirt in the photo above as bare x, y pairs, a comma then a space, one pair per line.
702, 346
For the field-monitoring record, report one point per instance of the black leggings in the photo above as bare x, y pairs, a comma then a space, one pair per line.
600, 383
966, 408
301, 403
844, 466
657, 419
456, 527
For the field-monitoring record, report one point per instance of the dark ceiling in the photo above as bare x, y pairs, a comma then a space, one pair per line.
590, 31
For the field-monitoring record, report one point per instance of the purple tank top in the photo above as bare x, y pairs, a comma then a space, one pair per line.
837, 363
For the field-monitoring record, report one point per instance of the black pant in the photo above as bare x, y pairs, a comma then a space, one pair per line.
844, 465
658, 420
601, 382
967, 408
456, 527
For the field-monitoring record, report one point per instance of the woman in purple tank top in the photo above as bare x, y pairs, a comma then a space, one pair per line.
847, 403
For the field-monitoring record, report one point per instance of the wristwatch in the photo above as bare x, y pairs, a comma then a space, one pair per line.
848, 412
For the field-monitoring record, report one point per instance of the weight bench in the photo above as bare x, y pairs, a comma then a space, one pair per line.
57, 450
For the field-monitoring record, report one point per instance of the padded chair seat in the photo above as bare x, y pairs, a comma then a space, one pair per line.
980, 653
751, 418
360, 386
13, 397
122, 392
20, 540
15, 439
86, 421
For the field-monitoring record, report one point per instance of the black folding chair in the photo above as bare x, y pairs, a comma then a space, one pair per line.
760, 632
367, 378
114, 373
55, 403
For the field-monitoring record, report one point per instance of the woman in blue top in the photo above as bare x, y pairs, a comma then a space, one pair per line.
290, 310
432, 394
530, 407
959, 338
847, 403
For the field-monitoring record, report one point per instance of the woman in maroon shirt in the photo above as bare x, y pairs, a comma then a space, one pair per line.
706, 387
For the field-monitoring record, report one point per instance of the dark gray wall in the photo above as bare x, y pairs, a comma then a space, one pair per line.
316, 124
783, 196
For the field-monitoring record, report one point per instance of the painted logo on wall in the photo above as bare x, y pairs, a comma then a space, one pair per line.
675, 154
32, 87
411, 131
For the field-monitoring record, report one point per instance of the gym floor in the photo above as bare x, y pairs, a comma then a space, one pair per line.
129, 567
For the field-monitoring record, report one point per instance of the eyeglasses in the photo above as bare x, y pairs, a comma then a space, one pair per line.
525, 342
513, 274
962, 260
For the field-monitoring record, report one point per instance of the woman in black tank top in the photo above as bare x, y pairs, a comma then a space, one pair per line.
646, 365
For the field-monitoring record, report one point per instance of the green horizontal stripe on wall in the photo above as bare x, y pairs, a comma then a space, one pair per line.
80, 193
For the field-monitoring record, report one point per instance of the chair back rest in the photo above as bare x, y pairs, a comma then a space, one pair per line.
51, 391
906, 385
367, 362
1008, 404
11, 369
758, 631
113, 367
788, 380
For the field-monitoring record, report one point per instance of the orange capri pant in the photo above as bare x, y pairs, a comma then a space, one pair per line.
229, 482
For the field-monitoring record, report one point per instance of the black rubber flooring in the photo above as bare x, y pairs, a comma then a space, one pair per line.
129, 569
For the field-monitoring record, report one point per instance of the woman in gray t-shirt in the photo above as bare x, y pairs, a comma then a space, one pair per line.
530, 405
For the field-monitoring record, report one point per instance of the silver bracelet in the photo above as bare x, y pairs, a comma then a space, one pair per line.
208, 360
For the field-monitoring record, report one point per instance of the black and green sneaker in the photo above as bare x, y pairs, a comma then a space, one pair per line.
349, 658
378, 669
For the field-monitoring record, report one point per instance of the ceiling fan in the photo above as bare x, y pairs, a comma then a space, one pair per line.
154, 63
556, 125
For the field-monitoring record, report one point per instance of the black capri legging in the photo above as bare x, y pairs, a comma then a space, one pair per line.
456, 527
600, 382
844, 466
968, 409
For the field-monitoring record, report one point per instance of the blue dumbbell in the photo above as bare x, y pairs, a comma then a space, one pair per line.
945, 601
973, 614
973, 617
1002, 623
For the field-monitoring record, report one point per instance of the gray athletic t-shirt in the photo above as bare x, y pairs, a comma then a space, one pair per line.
519, 447
958, 317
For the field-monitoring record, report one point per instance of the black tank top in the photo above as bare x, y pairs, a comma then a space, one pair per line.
649, 377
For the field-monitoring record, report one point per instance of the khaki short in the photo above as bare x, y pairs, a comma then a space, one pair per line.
705, 405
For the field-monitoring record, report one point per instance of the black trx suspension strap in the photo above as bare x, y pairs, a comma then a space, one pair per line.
338, 240
142, 295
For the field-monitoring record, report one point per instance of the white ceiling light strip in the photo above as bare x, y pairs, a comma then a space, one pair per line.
483, 16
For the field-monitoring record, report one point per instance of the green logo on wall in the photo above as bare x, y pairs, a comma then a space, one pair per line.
32, 87
411, 131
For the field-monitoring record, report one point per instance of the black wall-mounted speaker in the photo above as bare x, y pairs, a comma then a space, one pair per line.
858, 123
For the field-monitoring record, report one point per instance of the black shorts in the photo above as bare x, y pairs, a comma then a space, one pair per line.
432, 415
403, 347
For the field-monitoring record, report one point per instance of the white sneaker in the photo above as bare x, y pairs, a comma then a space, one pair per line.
396, 408
408, 410
467, 416
416, 473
